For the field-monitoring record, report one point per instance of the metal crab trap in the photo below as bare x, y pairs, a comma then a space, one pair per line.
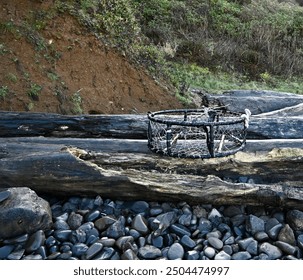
197, 133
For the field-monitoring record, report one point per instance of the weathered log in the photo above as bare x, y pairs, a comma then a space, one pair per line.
59, 170
292, 111
257, 101
126, 126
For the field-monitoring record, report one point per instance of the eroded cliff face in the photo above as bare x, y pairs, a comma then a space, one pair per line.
49, 63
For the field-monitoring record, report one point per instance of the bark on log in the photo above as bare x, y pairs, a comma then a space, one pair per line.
59, 170
126, 126
256, 101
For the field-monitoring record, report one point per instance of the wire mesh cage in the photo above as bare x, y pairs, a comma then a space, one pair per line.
197, 133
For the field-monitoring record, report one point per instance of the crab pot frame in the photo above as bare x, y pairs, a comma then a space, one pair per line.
197, 133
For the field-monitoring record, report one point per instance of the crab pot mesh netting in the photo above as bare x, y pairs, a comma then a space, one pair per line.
197, 133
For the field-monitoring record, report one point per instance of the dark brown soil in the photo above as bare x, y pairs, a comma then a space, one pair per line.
62, 68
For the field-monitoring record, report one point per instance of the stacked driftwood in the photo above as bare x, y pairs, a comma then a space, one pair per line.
108, 155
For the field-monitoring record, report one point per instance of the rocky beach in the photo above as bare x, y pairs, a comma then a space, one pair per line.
91, 228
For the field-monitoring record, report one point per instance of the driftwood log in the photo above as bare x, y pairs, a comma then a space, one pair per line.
92, 166
258, 101
127, 126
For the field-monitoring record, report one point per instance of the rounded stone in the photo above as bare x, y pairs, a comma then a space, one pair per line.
5, 251
93, 250
92, 215
222, 256
300, 241
62, 235
187, 242
16, 255
254, 224
295, 219
273, 233
192, 255
272, 251
176, 251
261, 236
286, 248
4, 195
209, 252
204, 225
139, 207
149, 252
34, 241
60, 224
287, 235
139, 223
243, 255
79, 249
103, 223
215, 243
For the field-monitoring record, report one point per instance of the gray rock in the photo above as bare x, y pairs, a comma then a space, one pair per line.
295, 219
164, 221
228, 249
252, 248
139, 207
204, 226
155, 211
92, 215
287, 235
34, 241
120, 243
199, 212
187, 242
157, 241
254, 224
130, 255
215, 243
62, 235
273, 233
232, 211
222, 256
238, 220
214, 213
271, 223
209, 252
107, 242
23, 212
74, 220
105, 254
139, 223
19, 239
79, 249
243, 255
286, 248
116, 230
272, 251
149, 252
104, 222
300, 241
92, 251
5, 251
192, 255
60, 224
4, 195
180, 230
16, 255
244, 243
176, 251
261, 236
185, 219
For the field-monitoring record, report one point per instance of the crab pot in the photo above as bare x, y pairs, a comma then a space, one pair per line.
197, 133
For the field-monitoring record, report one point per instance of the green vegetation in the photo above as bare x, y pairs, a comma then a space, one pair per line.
211, 44
77, 102
214, 45
3, 91
34, 91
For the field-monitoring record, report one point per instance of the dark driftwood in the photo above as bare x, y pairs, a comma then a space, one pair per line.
60, 170
257, 102
126, 126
